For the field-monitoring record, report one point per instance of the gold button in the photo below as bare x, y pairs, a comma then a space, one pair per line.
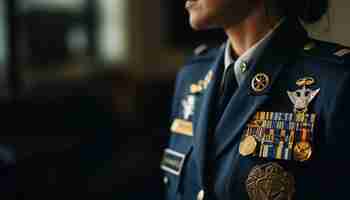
243, 67
200, 195
165, 180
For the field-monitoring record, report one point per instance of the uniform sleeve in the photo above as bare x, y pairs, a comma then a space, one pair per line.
336, 157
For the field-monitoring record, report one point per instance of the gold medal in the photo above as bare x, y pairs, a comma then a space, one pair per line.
247, 146
303, 149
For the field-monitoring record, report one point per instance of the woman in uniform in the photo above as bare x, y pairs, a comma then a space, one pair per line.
264, 115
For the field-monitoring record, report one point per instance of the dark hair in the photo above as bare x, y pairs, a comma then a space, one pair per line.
310, 11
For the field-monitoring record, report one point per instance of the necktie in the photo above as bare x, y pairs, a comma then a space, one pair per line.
228, 88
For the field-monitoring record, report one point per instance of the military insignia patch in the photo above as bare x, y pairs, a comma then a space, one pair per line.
271, 182
172, 161
188, 106
301, 98
183, 125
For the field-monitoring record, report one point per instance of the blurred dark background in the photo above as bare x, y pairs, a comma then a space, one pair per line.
85, 95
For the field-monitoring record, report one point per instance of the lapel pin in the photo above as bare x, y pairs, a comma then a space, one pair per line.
306, 81
202, 84
196, 88
260, 82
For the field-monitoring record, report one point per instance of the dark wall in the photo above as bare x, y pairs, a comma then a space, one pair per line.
72, 141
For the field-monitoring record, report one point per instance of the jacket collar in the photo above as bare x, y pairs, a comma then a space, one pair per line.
244, 102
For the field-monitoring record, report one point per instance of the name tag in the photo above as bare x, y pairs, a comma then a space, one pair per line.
182, 127
172, 161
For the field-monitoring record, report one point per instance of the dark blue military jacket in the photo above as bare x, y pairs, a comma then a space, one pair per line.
283, 135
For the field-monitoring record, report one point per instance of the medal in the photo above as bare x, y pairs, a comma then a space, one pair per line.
260, 82
247, 146
303, 149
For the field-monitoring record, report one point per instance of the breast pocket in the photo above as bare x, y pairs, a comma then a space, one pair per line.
173, 164
276, 155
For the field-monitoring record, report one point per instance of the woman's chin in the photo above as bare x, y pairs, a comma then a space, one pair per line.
198, 24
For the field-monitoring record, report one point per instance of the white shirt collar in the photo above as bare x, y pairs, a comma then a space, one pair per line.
249, 54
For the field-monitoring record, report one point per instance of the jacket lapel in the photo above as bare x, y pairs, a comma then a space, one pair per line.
207, 108
244, 102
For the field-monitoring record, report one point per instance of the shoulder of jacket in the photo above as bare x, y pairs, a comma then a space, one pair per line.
203, 53
197, 65
327, 51
206, 48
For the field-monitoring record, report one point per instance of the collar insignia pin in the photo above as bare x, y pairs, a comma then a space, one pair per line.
260, 82
202, 84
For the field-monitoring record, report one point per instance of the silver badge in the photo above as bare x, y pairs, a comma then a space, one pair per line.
188, 106
301, 98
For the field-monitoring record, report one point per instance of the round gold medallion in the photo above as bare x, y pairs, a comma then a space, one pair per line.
260, 82
302, 151
247, 146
